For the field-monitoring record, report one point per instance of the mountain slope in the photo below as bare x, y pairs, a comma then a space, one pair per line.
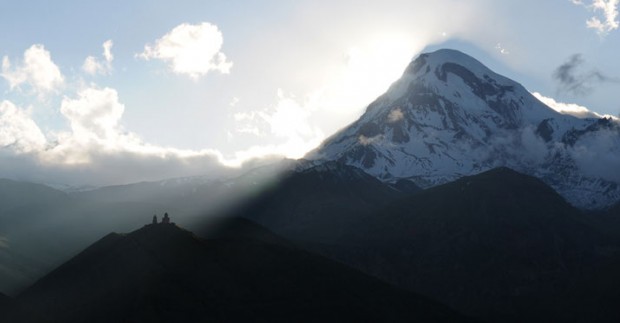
26, 199
5, 302
499, 245
449, 116
26, 212
161, 273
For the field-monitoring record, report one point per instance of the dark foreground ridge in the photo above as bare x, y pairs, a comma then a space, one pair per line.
500, 245
162, 273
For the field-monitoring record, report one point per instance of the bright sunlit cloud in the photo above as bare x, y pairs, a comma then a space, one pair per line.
37, 70
569, 108
288, 120
193, 50
18, 131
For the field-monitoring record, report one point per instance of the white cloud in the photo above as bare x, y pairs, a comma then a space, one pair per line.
501, 49
395, 115
608, 18
94, 114
18, 130
569, 108
289, 119
535, 150
193, 50
95, 150
248, 123
107, 51
94, 66
365, 141
37, 69
598, 154
288, 122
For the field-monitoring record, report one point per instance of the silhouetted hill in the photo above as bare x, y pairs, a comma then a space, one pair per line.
4, 302
7, 307
161, 273
613, 213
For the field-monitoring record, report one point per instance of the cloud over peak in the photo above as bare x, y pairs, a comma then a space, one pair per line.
192, 50
37, 70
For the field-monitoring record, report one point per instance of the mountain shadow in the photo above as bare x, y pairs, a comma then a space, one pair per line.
6, 306
499, 245
161, 273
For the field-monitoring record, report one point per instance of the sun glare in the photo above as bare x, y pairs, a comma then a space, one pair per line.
371, 67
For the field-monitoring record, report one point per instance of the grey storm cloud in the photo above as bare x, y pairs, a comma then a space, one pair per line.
573, 81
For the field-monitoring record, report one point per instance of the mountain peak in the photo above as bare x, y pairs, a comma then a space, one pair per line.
442, 56
450, 116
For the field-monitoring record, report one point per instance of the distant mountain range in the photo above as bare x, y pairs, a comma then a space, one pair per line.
161, 273
449, 116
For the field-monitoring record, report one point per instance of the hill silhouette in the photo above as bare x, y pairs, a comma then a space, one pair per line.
6, 304
161, 273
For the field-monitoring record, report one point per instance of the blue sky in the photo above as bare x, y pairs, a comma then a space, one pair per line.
104, 92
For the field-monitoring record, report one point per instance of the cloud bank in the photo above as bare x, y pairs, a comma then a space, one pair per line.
96, 150
192, 50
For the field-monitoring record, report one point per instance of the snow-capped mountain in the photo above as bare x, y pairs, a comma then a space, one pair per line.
449, 116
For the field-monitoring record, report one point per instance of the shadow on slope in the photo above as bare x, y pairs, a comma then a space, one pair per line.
499, 245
